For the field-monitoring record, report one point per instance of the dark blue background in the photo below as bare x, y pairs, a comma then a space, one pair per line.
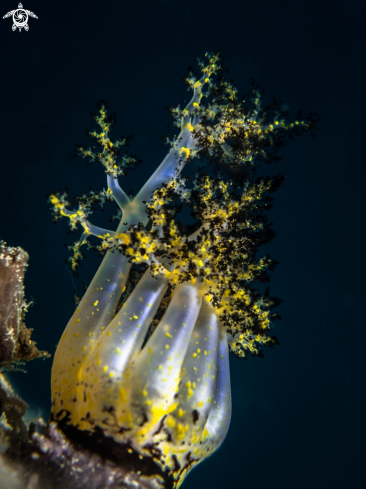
299, 413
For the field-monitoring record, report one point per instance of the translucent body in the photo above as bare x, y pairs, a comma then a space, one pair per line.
172, 393
166, 393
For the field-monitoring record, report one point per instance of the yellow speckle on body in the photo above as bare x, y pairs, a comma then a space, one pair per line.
122, 395
170, 422
96, 303
105, 368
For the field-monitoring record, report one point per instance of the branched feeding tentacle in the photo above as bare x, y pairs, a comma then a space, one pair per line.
117, 193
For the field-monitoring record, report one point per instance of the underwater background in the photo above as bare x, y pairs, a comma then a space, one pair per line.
299, 412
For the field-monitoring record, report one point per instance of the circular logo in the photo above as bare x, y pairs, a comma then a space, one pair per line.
20, 17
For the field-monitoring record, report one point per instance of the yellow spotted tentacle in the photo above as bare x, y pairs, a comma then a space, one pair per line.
219, 418
95, 311
105, 371
157, 372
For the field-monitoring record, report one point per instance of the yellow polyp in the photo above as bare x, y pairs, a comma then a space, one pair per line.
180, 431
168, 335
159, 411
167, 347
170, 422
77, 321
189, 126
76, 335
181, 413
149, 350
142, 432
144, 393
124, 238
186, 151
84, 348
105, 368
200, 404
111, 374
95, 303
205, 434
123, 395
99, 362
194, 355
